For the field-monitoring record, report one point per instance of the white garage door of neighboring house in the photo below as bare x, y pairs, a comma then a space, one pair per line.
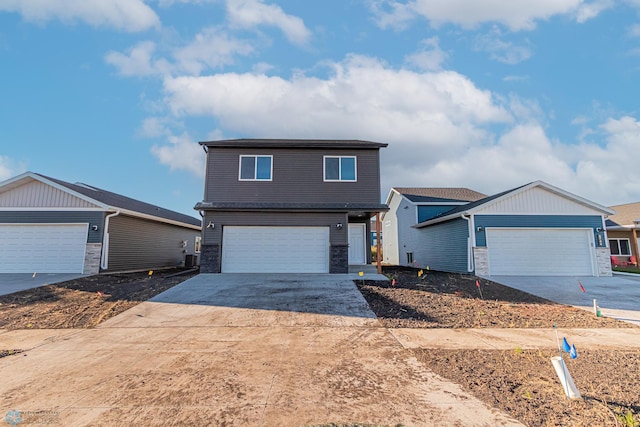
40, 248
540, 252
275, 249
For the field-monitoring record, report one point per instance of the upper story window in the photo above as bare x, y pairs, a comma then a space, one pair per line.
620, 247
340, 168
256, 168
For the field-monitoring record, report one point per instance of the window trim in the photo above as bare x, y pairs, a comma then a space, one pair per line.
255, 167
618, 240
355, 168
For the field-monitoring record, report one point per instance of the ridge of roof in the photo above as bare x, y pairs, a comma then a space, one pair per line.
440, 194
288, 143
123, 202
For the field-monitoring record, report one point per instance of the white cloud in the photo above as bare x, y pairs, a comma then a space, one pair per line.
514, 14
363, 98
500, 50
138, 61
254, 13
9, 168
126, 15
634, 31
588, 11
429, 57
181, 153
210, 49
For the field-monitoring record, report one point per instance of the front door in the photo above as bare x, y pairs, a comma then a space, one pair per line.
357, 244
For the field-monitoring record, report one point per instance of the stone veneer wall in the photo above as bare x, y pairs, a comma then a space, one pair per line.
210, 259
92, 256
603, 261
339, 259
481, 261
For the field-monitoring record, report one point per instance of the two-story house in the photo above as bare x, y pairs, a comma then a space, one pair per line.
281, 205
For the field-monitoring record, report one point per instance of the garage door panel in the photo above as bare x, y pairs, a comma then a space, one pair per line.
549, 252
275, 249
58, 248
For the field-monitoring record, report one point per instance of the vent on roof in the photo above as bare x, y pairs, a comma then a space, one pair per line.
80, 184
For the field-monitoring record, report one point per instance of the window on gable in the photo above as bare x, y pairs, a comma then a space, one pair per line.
256, 168
620, 247
340, 168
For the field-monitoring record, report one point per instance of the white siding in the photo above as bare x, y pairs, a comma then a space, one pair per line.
39, 195
390, 232
537, 201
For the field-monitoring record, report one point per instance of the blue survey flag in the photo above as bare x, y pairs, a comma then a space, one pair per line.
565, 345
573, 353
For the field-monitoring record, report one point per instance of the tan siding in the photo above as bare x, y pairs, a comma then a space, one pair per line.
37, 195
140, 244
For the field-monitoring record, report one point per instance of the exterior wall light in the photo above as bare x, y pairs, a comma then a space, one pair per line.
211, 225
339, 226
479, 229
599, 229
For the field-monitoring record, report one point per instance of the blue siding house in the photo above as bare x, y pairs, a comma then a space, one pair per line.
535, 229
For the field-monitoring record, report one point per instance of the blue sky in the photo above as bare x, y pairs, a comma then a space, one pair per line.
485, 94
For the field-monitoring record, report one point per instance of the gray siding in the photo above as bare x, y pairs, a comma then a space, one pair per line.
297, 177
444, 246
58, 217
138, 244
221, 219
538, 221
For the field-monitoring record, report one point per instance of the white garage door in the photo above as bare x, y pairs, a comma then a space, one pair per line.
42, 248
540, 252
275, 250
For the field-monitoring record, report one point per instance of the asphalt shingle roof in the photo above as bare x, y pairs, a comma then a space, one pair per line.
440, 194
123, 202
625, 214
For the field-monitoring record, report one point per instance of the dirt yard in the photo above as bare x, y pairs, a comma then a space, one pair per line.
521, 382
83, 302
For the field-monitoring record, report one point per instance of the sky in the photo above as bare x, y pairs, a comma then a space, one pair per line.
483, 94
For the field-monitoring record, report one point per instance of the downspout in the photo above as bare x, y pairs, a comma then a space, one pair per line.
104, 262
471, 242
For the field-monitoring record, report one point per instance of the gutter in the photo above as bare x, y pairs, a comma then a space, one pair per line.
104, 262
471, 242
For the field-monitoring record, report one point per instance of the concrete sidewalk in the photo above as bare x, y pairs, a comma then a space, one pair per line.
244, 350
509, 339
14, 282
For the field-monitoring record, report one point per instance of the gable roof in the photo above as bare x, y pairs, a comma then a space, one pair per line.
108, 200
626, 215
292, 143
473, 207
439, 194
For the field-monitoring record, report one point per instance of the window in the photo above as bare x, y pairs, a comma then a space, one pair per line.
409, 257
620, 247
198, 244
340, 168
256, 168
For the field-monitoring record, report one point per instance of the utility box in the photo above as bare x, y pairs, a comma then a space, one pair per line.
191, 261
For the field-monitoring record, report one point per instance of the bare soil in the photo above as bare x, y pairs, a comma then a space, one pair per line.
84, 302
521, 382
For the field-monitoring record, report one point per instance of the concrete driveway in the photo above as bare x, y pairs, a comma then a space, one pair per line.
618, 295
14, 282
256, 350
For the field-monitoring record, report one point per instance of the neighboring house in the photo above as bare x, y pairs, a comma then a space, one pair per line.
623, 230
409, 206
274, 205
535, 229
52, 226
